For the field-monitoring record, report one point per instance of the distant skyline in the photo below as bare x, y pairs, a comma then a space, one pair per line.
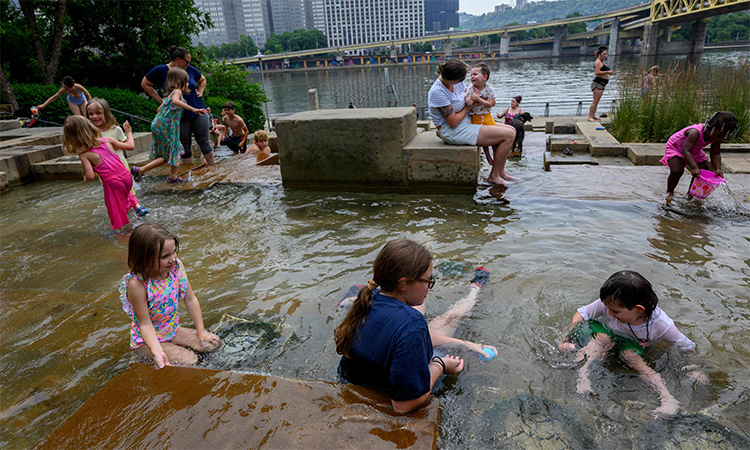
479, 7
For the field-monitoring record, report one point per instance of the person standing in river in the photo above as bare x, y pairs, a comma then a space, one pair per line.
602, 72
193, 124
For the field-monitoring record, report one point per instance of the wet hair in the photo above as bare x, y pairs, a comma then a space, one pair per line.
484, 68
400, 258
68, 81
144, 248
177, 79
629, 289
602, 48
260, 136
177, 52
228, 105
80, 135
518, 99
109, 118
725, 122
452, 70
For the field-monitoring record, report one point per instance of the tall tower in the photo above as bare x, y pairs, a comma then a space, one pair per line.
351, 22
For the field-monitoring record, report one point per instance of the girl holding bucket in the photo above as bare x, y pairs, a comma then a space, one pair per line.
686, 148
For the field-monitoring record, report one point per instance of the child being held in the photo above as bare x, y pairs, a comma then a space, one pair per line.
625, 318
235, 128
97, 155
483, 96
685, 148
151, 293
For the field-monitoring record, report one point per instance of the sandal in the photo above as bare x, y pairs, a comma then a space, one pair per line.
136, 172
141, 211
171, 180
481, 276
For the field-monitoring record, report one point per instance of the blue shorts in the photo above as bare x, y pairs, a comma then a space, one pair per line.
465, 133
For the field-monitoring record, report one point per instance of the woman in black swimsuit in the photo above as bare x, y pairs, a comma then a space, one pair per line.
602, 73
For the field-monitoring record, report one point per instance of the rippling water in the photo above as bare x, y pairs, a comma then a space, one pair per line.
562, 81
285, 257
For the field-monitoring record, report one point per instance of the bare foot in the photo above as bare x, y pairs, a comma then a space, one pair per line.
567, 346
592, 119
668, 200
583, 386
509, 178
497, 181
668, 408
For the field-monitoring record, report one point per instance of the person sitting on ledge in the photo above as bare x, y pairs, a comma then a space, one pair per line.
236, 129
449, 109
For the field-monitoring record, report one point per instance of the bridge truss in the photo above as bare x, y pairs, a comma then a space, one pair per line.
662, 10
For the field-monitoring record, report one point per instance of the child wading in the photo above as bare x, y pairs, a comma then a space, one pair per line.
625, 318
101, 116
236, 129
686, 148
96, 153
151, 293
167, 148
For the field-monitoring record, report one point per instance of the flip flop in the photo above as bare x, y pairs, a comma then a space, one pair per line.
481, 277
141, 211
568, 151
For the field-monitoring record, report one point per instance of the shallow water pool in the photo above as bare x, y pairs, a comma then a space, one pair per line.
285, 257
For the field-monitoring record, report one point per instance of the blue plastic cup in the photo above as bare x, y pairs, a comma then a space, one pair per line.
489, 352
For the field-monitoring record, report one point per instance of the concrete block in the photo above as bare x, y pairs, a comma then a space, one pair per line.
26, 137
641, 154
735, 164
66, 167
3, 182
142, 142
564, 125
432, 162
575, 142
345, 147
9, 125
551, 159
273, 142
17, 161
426, 125
601, 143
549, 126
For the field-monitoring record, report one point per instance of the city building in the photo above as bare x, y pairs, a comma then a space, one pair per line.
501, 7
233, 18
315, 15
440, 15
286, 15
351, 22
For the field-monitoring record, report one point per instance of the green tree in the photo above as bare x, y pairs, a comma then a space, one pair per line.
292, 41
575, 28
243, 47
228, 81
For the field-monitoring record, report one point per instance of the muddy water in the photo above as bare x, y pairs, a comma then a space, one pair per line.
285, 257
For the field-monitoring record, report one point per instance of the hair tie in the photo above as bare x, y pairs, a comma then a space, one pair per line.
372, 285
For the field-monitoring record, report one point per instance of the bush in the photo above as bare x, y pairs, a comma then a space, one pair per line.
684, 96
123, 100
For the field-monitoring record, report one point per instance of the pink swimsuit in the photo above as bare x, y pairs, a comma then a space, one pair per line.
117, 184
677, 141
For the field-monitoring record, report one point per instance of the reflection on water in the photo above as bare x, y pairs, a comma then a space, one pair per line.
285, 257
539, 81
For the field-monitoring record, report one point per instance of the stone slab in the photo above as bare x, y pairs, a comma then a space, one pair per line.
66, 167
178, 407
432, 162
601, 143
644, 154
425, 125
735, 164
345, 147
3, 182
9, 125
551, 159
559, 142
563, 125
20, 137
17, 162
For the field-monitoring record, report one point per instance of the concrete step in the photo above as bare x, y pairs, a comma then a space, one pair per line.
18, 162
559, 142
735, 163
66, 167
11, 124
432, 162
551, 159
601, 143
26, 137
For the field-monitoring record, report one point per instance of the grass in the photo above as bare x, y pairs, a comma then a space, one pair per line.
685, 95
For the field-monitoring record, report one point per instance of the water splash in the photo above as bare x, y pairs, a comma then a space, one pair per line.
722, 201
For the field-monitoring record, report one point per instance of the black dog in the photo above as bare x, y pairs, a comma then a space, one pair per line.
517, 123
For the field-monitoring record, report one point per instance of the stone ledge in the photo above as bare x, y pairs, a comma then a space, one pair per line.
17, 162
551, 159
66, 167
575, 142
12, 124
601, 143
432, 162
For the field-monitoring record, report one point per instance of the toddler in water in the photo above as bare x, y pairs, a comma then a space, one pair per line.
97, 156
625, 318
483, 96
151, 293
167, 148
101, 116
686, 148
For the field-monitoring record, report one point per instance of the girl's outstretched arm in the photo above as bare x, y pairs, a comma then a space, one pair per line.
501, 115
194, 309
177, 100
88, 169
139, 301
51, 99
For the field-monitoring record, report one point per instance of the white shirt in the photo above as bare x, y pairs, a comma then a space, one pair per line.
660, 326
439, 96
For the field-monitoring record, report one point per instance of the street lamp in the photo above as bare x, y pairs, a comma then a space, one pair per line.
263, 83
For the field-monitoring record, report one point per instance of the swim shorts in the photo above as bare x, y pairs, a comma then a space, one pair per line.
584, 331
465, 133
233, 142
483, 119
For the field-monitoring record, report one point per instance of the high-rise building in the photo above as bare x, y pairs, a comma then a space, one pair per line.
233, 18
351, 22
286, 15
315, 15
440, 15
255, 20
218, 34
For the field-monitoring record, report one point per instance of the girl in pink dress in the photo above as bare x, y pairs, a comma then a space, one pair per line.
81, 136
685, 148
151, 292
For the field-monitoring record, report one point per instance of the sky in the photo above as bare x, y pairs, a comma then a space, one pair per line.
479, 7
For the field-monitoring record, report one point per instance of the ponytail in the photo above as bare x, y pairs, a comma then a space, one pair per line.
343, 335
